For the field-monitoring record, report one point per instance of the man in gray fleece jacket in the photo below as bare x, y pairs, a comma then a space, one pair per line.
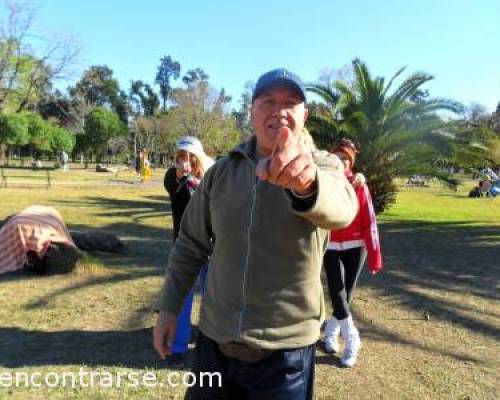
263, 215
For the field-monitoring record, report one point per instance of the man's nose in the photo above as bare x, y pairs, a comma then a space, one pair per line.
281, 112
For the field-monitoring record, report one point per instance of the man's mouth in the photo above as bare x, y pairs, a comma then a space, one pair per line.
277, 124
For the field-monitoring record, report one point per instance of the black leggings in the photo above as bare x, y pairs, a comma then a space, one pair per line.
342, 270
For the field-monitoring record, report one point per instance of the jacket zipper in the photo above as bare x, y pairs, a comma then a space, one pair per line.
245, 270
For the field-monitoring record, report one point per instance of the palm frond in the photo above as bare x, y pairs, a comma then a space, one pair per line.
391, 81
440, 104
326, 93
409, 87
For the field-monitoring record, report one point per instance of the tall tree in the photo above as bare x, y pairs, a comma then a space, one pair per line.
148, 132
40, 132
242, 115
167, 70
494, 122
62, 109
144, 103
14, 129
476, 141
143, 98
30, 129
120, 105
194, 76
99, 88
200, 110
100, 126
61, 139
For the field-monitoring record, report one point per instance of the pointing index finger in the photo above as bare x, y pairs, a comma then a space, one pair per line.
283, 139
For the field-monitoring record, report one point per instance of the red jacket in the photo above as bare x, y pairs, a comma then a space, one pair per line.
362, 231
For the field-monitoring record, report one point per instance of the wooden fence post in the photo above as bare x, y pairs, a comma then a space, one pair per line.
4, 178
49, 182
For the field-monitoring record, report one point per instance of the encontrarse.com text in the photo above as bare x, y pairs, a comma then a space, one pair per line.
105, 379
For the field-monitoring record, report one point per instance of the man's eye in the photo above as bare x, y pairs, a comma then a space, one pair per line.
267, 102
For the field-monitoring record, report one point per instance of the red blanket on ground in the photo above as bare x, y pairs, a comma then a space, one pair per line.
33, 229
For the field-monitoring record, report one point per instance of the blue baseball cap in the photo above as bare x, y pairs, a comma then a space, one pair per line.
279, 77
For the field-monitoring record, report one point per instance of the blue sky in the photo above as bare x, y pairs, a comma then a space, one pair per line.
458, 41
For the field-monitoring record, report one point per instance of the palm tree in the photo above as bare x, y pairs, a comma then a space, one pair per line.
398, 130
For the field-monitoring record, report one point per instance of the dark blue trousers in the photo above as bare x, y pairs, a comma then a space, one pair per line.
284, 375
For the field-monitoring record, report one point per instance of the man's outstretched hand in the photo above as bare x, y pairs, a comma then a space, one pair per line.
290, 165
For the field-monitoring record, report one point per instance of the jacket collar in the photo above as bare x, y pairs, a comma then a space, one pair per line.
245, 149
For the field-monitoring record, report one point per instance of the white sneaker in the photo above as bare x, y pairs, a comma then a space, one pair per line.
331, 344
352, 347
332, 330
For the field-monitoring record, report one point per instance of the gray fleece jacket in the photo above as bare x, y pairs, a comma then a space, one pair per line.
266, 251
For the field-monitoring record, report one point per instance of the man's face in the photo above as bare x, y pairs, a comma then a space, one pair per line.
277, 107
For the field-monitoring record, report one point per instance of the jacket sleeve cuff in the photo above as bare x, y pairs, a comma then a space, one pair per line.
333, 206
301, 203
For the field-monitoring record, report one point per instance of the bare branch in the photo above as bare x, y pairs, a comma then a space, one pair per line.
29, 63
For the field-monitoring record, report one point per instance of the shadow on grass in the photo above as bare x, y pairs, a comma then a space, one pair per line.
19, 275
131, 349
136, 210
147, 245
41, 302
332, 360
465, 197
422, 259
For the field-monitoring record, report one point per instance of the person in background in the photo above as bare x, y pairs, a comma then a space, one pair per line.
64, 160
344, 259
27, 237
485, 186
180, 182
137, 164
145, 169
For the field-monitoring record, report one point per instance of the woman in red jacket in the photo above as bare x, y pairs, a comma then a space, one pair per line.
344, 259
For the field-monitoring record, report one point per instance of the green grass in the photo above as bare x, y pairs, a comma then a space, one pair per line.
441, 261
436, 204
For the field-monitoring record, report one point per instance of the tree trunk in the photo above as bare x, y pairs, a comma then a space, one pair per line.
3, 151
